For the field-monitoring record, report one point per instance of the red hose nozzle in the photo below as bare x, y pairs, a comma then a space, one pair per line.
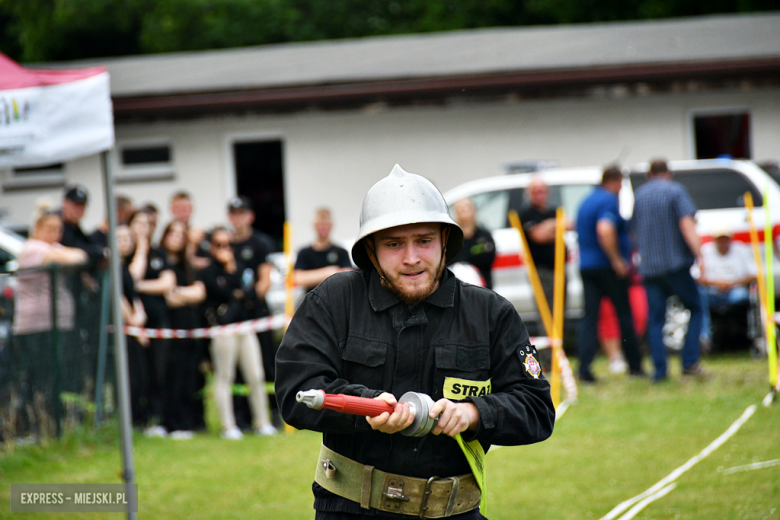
318, 400
419, 404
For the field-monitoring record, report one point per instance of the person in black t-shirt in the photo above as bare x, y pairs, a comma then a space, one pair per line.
183, 309
230, 298
322, 259
538, 220
135, 316
74, 204
479, 249
253, 247
153, 278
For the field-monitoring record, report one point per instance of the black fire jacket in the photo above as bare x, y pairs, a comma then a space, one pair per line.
352, 336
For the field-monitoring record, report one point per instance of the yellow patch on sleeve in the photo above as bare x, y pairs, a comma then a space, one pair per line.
458, 389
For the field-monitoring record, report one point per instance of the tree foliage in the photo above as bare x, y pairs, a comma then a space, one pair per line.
50, 30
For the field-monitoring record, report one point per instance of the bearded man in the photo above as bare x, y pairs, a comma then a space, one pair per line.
405, 323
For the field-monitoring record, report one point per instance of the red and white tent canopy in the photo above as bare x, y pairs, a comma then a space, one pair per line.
51, 116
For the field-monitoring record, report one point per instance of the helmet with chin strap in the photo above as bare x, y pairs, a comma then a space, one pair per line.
399, 199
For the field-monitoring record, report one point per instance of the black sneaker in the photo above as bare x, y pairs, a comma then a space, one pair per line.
588, 377
695, 371
638, 373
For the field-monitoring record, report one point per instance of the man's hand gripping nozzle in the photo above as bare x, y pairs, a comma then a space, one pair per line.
419, 404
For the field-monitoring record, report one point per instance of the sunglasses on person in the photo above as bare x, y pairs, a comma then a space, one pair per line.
220, 245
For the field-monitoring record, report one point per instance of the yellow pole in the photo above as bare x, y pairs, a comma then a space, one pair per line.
762, 296
771, 343
558, 310
533, 276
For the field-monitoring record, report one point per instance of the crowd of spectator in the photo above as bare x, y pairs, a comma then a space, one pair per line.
188, 279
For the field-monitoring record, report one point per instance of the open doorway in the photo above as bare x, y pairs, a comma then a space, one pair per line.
260, 177
725, 134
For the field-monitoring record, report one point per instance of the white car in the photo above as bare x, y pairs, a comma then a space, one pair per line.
10, 248
716, 186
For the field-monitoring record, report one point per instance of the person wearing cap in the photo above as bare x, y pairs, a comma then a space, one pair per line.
323, 258
728, 268
253, 248
404, 322
74, 204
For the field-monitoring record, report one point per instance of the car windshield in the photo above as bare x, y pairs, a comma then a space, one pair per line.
493, 206
715, 188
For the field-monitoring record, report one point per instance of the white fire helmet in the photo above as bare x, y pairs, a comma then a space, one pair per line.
399, 199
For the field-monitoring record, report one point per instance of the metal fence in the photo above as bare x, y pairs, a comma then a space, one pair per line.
56, 364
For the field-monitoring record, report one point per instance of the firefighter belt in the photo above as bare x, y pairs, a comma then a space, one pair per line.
371, 488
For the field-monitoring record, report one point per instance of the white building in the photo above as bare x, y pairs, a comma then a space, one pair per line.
297, 126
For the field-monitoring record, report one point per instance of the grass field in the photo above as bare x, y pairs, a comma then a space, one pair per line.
621, 438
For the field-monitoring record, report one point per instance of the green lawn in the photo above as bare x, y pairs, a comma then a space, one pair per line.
620, 439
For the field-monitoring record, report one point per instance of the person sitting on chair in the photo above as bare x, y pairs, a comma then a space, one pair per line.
728, 270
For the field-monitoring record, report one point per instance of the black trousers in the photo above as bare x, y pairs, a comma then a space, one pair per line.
157, 364
597, 283
181, 376
139, 382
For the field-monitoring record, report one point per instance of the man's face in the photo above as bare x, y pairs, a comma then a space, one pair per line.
322, 227
537, 194
72, 212
410, 257
181, 209
241, 218
723, 244
613, 186
464, 212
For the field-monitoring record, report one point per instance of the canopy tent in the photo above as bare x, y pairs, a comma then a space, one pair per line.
51, 116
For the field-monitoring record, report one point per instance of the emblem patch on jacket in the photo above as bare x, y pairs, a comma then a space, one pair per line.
458, 389
532, 366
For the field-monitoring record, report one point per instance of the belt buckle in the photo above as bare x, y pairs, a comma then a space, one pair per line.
428, 491
453, 495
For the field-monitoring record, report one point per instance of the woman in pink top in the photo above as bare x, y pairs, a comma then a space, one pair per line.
33, 316
33, 294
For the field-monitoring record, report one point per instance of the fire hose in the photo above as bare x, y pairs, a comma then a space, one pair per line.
419, 405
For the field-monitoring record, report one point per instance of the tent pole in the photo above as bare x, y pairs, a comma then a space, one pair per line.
120, 350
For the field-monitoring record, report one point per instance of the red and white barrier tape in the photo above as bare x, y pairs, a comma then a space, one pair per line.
277, 321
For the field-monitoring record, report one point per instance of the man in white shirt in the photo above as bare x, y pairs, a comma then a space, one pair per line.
727, 272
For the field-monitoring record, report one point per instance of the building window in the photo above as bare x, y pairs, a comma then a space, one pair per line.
144, 161
46, 175
722, 134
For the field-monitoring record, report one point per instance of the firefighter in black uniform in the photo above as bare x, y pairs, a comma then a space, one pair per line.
405, 323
